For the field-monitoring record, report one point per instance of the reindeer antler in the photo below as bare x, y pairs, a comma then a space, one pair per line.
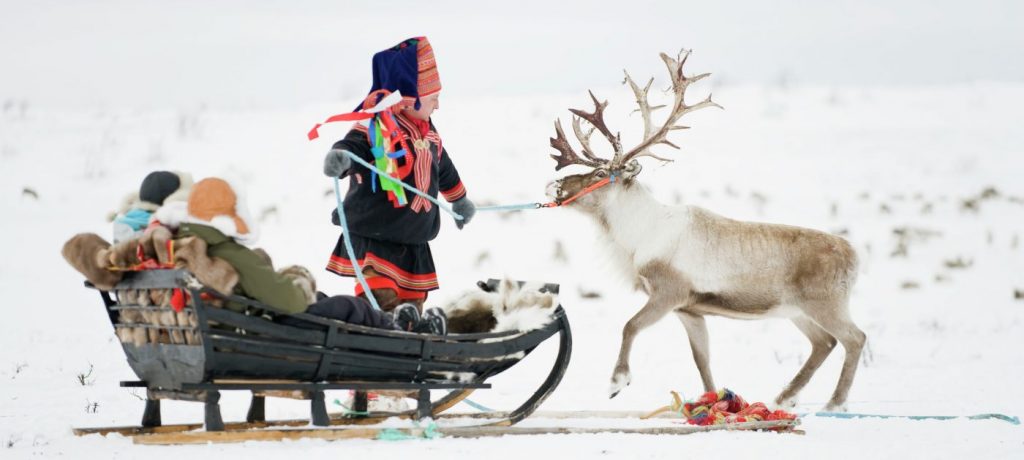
585, 140
645, 109
680, 82
679, 108
568, 155
596, 120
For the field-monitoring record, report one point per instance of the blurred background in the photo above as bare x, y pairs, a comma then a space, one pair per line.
258, 54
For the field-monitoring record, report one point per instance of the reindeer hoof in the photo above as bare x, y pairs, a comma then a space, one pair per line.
619, 381
786, 403
835, 407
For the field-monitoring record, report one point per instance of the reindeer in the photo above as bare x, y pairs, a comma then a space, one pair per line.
694, 262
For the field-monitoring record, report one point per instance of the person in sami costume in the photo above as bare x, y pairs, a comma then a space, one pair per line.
390, 228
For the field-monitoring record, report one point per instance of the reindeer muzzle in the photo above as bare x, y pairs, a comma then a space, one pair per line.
554, 191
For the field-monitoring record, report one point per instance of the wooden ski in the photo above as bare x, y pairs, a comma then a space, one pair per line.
204, 437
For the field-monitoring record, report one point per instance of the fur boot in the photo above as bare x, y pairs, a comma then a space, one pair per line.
87, 253
124, 254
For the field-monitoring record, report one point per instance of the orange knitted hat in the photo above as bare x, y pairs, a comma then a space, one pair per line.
213, 200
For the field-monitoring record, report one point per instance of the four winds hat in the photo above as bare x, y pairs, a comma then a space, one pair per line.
408, 67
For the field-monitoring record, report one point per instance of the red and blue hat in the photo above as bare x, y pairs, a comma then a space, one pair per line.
408, 67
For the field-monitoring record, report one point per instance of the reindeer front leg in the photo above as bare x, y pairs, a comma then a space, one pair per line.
697, 332
654, 310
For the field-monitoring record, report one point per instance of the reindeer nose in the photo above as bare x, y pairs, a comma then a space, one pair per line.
553, 190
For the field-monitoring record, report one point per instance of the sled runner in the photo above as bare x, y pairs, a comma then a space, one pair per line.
195, 349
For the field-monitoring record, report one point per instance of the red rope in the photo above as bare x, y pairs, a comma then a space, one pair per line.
589, 189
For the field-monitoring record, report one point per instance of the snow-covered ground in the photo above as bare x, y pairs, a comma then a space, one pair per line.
944, 327
857, 119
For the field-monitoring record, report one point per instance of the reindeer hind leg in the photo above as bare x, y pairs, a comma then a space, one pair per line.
837, 322
822, 344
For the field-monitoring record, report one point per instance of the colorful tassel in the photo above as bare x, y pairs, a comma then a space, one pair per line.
721, 407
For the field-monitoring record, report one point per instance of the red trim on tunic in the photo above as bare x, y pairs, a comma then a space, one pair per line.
381, 282
454, 193
404, 279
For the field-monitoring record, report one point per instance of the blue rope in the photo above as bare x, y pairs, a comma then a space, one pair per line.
348, 410
847, 415
445, 208
383, 174
477, 406
348, 246
510, 207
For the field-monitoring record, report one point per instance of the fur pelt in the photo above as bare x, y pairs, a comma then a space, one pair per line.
90, 254
124, 206
94, 257
154, 246
157, 238
302, 278
218, 274
511, 308
172, 214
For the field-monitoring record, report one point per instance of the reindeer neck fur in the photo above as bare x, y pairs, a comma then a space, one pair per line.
629, 215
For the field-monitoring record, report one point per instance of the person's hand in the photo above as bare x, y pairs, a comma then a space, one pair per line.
464, 208
336, 163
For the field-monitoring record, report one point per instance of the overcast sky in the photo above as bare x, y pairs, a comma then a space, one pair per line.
285, 53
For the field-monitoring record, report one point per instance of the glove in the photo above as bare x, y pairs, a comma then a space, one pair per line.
336, 163
464, 208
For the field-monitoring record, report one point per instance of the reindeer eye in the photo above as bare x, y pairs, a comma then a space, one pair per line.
601, 173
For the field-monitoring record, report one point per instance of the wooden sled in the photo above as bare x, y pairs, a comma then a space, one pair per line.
195, 354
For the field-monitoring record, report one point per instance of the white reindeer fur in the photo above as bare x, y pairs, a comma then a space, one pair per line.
701, 264
633, 242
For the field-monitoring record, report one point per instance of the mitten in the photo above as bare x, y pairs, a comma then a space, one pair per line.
464, 208
336, 163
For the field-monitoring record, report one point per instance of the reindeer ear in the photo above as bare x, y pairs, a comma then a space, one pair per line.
632, 168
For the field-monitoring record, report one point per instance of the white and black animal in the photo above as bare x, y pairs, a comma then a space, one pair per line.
509, 308
692, 262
